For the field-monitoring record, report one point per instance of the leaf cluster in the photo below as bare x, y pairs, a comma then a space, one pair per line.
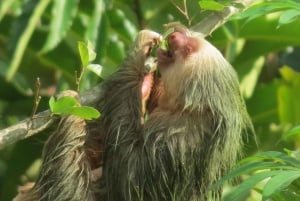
277, 173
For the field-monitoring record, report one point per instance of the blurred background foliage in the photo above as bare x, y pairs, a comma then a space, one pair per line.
38, 39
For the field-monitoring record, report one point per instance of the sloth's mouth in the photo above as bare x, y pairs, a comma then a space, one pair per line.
164, 57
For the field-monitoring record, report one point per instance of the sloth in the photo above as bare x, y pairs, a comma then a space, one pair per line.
192, 134
159, 138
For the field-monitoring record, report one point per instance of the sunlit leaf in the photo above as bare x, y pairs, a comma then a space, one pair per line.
85, 112
95, 68
248, 184
51, 103
274, 156
63, 105
293, 132
211, 5
70, 106
261, 9
288, 16
279, 182
86, 52
250, 78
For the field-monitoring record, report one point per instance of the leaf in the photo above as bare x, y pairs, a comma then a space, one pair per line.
250, 167
25, 37
288, 16
95, 21
211, 5
95, 68
264, 8
63, 14
293, 132
274, 155
70, 106
250, 76
249, 183
86, 52
63, 105
51, 103
279, 182
85, 112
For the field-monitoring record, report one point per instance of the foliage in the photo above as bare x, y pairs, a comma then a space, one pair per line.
70, 106
277, 172
38, 38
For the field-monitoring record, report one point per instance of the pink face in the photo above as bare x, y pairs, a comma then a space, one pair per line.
180, 45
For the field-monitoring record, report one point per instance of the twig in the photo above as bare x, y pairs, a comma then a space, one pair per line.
37, 96
216, 19
183, 10
43, 120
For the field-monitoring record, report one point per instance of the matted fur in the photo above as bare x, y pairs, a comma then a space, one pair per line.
189, 141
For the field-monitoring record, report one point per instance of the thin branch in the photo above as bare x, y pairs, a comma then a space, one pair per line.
43, 120
37, 97
183, 10
216, 19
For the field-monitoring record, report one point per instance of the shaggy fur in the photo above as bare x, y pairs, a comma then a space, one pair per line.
190, 140
65, 174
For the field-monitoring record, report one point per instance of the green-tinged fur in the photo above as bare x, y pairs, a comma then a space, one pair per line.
182, 148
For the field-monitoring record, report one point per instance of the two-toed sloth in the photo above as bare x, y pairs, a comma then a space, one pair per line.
191, 135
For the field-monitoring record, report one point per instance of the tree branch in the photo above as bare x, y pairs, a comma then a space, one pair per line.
43, 120
216, 19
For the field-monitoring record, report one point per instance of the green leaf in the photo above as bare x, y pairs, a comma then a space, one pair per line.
264, 8
250, 167
288, 16
250, 76
85, 112
293, 132
249, 183
95, 68
94, 24
279, 182
25, 37
51, 103
63, 105
70, 106
86, 52
211, 5
63, 14
275, 156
